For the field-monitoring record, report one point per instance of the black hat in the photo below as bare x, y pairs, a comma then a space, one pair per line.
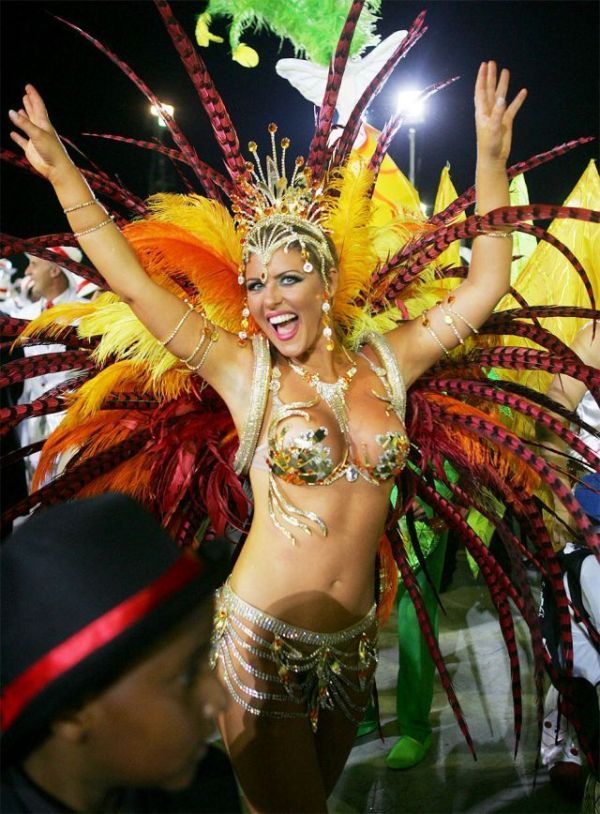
86, 587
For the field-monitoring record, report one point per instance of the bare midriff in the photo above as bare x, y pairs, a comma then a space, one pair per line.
322, 583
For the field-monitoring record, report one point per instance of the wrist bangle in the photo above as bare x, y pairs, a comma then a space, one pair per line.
490, 231
81, 206
425, 323
177, 328
485, 233
93, 228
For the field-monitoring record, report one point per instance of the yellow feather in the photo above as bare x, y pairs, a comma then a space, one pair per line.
124, 377
207, 220
346, 219
122, 337
55, 322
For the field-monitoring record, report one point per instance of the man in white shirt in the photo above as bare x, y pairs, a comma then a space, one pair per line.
52, 285
49, 282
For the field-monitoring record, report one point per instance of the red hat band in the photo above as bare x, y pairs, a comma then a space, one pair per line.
92, 637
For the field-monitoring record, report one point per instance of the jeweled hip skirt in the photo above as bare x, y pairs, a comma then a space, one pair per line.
277, 670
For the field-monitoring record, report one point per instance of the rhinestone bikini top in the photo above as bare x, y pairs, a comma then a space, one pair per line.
306, 459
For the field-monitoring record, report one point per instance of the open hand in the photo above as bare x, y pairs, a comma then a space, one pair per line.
41, 144
493, 118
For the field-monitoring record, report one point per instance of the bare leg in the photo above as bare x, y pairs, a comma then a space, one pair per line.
334, 740
281, 764
275, 762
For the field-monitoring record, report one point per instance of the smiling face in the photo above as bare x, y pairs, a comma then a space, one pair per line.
287, 305
46, 277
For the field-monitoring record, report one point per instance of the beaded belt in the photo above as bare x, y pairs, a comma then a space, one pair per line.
294, 672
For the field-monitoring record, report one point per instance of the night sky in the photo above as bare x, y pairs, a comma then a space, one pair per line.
550, 47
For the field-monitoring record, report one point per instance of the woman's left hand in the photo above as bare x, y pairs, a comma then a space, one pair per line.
493, 118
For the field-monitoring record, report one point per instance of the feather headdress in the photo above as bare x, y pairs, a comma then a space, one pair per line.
139, 422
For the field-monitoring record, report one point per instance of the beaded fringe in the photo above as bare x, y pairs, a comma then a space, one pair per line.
277, 670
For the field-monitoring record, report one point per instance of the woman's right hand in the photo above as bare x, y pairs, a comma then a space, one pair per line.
41, 144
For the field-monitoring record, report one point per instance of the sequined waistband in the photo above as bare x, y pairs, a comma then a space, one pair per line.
236, 604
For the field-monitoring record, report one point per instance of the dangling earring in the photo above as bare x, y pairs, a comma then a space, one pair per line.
243, 332
308, 266
327, 330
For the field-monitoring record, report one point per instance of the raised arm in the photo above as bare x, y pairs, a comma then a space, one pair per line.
568, 392
164, 314
420, 342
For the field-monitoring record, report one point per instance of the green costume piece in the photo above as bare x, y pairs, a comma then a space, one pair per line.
416, 670
414, 684
312, 26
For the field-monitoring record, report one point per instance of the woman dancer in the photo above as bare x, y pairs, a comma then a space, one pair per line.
296, 628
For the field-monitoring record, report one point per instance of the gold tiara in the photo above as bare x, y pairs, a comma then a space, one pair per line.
267, 191
290, 207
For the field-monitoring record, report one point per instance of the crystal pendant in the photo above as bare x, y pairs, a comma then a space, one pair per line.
351, 474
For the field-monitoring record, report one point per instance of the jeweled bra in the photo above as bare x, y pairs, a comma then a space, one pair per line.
306, 459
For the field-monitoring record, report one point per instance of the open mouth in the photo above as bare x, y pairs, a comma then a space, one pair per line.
284, 325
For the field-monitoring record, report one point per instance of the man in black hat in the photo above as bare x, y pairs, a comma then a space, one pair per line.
107, 696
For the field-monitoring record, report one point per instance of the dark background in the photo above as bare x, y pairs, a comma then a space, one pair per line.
550, 47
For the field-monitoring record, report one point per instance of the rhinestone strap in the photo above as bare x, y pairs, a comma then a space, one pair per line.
258, 403
389, 362
235, 603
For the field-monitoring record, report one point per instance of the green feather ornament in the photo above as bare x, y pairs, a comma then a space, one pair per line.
312, 26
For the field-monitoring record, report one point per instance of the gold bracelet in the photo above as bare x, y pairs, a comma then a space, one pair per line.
93, 228
448, 320
196, 368
432, 333
82, 206
203, 336
451, 299
449, 314
494, 234
179, 325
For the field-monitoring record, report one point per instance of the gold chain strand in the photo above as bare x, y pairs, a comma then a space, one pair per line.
89, 231
82, 206
179, 325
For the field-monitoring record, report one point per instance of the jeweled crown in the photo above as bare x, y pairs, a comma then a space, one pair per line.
272, 211
269, 191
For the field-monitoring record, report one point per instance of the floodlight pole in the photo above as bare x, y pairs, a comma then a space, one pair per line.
158, 179
412, 151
